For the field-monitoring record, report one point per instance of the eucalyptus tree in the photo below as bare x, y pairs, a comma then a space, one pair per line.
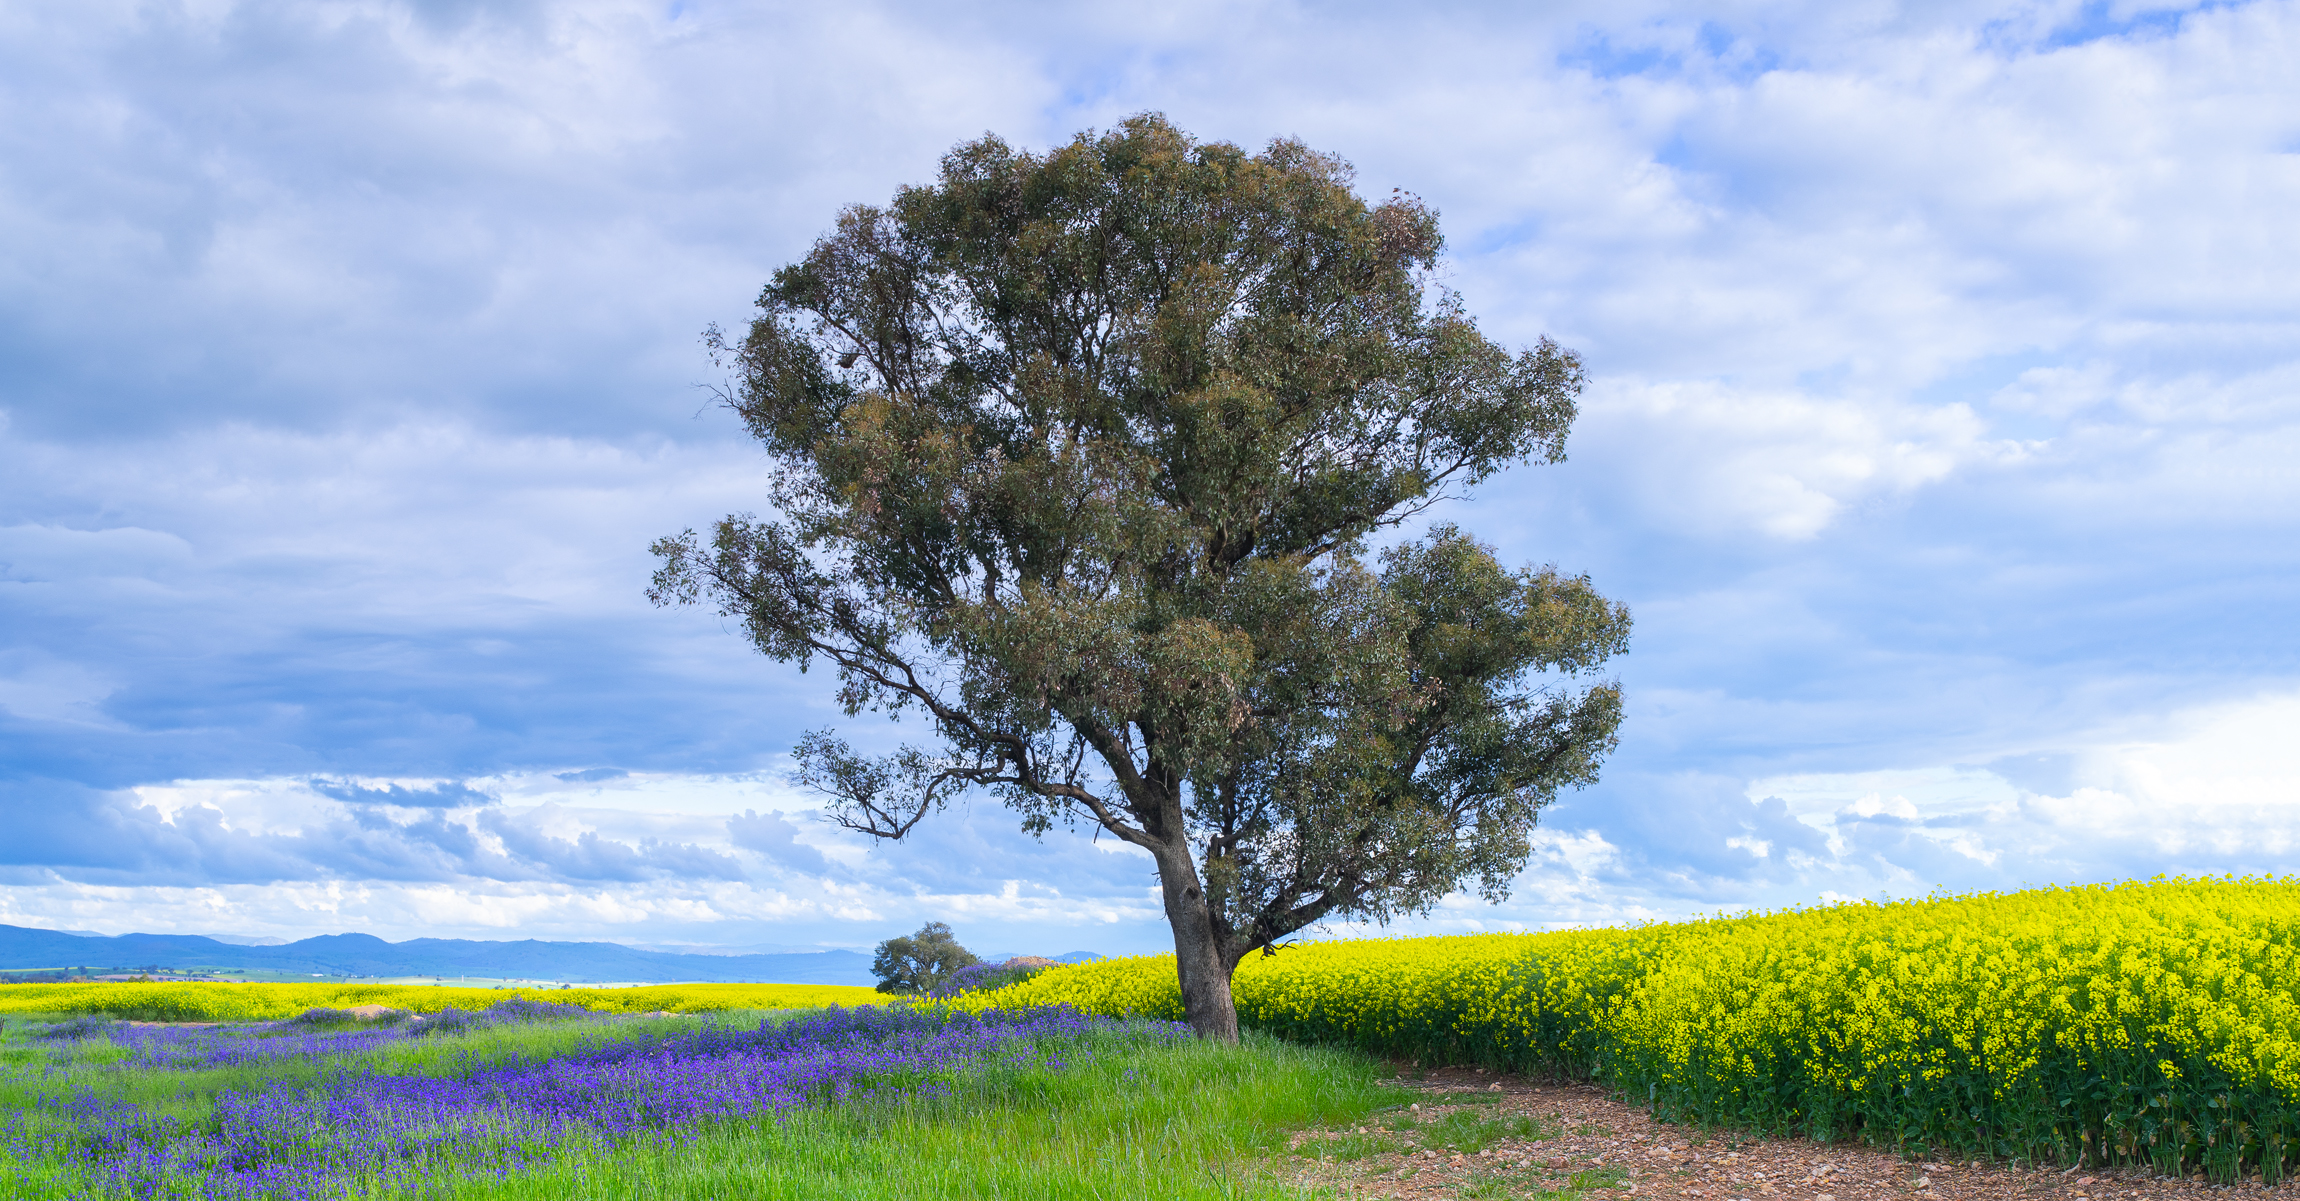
1096, 462
916, 963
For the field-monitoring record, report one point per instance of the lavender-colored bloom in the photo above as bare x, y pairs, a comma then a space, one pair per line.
166, 1047
978, 976
501, 1013
215, 1047
76, 1029
291, 1141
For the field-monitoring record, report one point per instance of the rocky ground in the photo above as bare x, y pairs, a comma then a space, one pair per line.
1478, 1136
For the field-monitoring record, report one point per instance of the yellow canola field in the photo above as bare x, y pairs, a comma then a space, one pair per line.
2152, 1022
1517, 1000
186, 1002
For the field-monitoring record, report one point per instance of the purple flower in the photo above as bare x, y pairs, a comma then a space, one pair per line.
214, 1047
291, 1140
978, 976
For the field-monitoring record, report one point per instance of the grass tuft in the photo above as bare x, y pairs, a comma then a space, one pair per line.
1469, 1132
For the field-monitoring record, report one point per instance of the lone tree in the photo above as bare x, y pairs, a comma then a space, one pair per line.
913, 965
1078, 457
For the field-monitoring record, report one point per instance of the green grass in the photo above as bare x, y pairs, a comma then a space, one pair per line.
1350, 1148
1469, 1132
1497, 1187
1536, 1186
1191, 1122
1607, 1177
1196, 1121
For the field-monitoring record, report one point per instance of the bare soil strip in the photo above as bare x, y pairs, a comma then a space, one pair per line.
1583, 1141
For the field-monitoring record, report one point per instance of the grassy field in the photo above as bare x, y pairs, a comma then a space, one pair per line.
1118, 1115
2151, 1025
1195, 1121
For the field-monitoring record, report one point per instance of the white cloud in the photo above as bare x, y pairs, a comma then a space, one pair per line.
1948, 378
1722, 460
542, 863
2221, 785
2211, 789
1581, 852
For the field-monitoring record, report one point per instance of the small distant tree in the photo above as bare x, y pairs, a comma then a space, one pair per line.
1079, 457
917, 965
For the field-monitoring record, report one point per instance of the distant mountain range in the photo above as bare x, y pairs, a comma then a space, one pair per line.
366, 955
23, 949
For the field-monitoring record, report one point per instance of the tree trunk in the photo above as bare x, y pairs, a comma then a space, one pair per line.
1198, 957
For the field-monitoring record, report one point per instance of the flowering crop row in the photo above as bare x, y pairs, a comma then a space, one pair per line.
203, 1002
2149, 1022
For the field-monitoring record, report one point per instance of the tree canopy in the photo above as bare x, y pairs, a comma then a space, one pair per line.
1084, 458
915, 964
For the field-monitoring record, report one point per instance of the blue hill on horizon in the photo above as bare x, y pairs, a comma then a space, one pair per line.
26, 949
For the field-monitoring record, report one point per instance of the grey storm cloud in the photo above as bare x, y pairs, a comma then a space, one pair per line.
445, 795
591, 775
102, 837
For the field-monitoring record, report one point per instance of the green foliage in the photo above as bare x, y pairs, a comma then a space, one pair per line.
1077, 456
916, 965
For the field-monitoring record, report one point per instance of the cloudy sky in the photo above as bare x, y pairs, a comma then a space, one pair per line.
1942, 431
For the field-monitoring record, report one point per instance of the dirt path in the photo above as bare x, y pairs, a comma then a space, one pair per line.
1550, 1138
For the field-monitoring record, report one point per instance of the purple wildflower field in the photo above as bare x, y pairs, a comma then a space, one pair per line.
307, 1140
197, 1047
979, 976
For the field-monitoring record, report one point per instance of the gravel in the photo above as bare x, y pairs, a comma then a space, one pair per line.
1608, 1151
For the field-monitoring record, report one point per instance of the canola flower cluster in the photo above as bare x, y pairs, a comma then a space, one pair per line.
218, 1002
2152, 1022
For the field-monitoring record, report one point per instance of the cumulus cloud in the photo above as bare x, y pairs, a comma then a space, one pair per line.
1725, 461
773, 836
645, 871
